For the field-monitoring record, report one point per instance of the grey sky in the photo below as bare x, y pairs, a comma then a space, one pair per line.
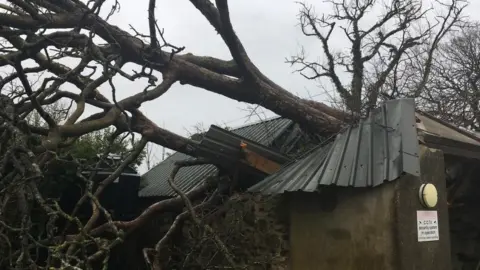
268, 34
268, 30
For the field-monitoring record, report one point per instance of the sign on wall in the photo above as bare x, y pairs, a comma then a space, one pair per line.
427, 226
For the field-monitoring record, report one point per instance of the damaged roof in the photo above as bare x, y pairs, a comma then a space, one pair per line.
155, 181
378, 149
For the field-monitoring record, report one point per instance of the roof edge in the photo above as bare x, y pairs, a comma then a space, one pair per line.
450, 125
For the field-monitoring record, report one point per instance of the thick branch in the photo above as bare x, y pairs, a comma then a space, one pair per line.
266, 94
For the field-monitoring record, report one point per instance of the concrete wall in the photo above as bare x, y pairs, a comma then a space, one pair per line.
358, 234
371, 229
425, 255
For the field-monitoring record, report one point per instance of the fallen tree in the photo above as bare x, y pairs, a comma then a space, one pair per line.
44, 32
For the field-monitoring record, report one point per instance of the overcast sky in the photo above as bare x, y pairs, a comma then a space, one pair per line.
270, 33
266, 28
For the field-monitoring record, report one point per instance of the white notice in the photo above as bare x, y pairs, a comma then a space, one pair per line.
427, 226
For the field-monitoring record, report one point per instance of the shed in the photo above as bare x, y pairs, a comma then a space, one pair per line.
384, 195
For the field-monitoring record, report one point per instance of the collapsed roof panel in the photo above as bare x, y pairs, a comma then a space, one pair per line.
155, 181
378, 149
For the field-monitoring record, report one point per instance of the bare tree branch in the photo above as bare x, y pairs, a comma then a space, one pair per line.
404, 26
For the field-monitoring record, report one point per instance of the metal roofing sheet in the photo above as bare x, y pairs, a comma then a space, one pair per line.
380, 148
264, 132
155, 181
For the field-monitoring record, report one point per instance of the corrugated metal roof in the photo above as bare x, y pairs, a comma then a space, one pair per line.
380, 148
264, 132
155, 181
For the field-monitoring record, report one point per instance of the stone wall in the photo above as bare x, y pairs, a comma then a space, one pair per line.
253, 227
